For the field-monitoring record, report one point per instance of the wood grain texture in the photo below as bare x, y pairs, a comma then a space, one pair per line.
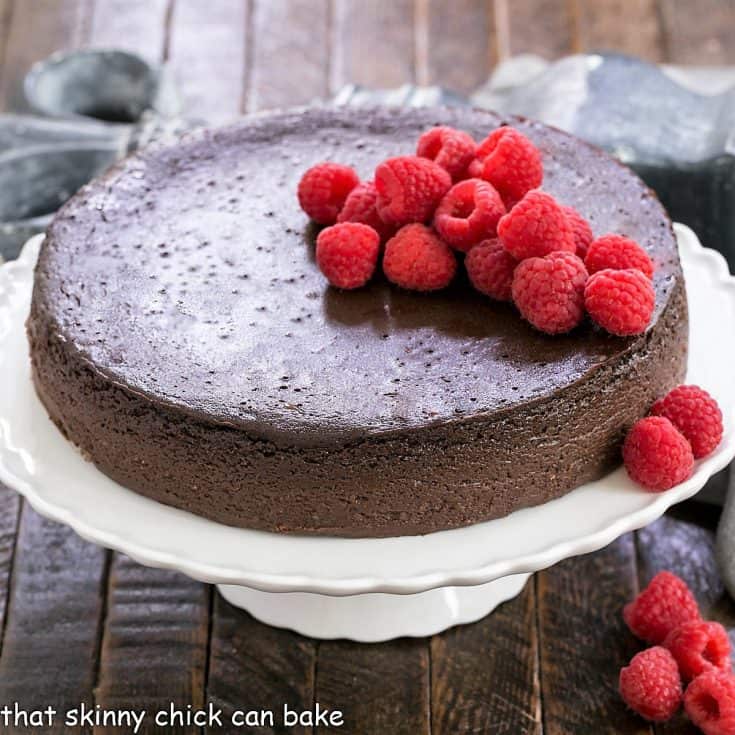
288, 35
454, 43
138, 26
484, 676
207, 54
699, 33
253, 666
52, 634
9, 516
584, 641
542, 27
374, 43
37, 28
154, 648
6, 14
625, 26
382, 688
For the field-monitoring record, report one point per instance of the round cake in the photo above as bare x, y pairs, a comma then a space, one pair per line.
183, 338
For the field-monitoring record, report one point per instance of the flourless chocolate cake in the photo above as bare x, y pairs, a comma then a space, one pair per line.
182, 337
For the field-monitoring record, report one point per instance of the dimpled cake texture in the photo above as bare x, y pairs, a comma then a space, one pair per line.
183, 338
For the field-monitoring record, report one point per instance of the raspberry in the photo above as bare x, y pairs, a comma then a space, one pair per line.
360, 206
696, 414
621, 302
416, 259
581, 231
323, 189
474, 169
664, 605
650, 685
468, 213
511, 163
710, 703
549, 292
347, 254
657, 455
699, 646
535, 227
409, 189
449, 148
617, 252
490, 269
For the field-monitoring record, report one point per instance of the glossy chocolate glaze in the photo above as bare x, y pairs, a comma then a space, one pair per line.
183, 283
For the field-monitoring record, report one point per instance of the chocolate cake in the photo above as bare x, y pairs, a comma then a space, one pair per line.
182, 337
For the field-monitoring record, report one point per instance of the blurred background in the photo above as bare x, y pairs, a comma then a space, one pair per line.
194, 61
232, 56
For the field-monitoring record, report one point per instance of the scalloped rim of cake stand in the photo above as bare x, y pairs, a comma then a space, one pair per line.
37, 462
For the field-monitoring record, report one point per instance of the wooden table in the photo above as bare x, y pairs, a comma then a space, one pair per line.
81, 624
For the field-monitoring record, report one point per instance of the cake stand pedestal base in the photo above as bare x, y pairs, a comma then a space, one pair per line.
374, 617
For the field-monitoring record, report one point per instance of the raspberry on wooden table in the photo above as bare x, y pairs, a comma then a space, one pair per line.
347, 254
699, 646
511, 163
696, 414
361, 206
617, 252
651, 686
657, 455
415, 258
581, 231
535, 227
549, 291
449, 148
490, 268
409, 189
665, 604
710, 703
621, 302
323, 189
468, 213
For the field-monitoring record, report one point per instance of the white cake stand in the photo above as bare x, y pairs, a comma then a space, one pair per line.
362, 589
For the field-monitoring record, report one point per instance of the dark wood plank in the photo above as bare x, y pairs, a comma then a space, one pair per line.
289, 35
584, 641
374, 43
456, 49
382, 688
36, 29
9, 516
626, 26
683, 542
699, 33
54, 616
138, 26
253, 666
6, 12
154, 648
207, 54
542, 27
484, 676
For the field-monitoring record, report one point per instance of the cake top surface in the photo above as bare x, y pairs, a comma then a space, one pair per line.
187, 274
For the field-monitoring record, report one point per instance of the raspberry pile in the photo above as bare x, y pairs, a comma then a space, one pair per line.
689, 663
457, 201
660, 449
